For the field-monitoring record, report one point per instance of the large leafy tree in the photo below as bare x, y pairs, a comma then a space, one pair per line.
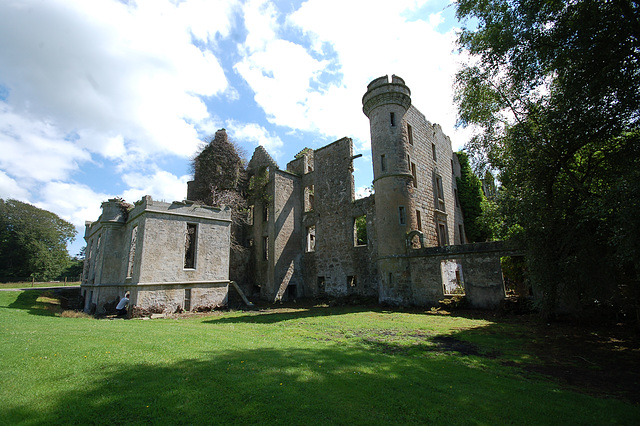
553, 90
33, 242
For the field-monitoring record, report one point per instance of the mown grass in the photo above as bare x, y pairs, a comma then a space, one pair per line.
38, 284
340, 365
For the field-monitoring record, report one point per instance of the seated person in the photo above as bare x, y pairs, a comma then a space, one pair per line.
121, 308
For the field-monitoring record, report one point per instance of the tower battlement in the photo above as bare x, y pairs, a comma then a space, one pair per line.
380, 92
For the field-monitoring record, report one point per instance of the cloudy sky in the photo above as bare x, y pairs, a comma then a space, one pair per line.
107, 98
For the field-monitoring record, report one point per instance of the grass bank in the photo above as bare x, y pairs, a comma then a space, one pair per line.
313, 365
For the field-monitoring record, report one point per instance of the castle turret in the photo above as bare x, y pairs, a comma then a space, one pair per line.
386, 103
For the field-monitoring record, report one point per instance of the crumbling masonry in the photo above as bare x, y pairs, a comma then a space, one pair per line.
307, 235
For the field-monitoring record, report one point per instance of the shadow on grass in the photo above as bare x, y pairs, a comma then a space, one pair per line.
269, 316
28, 300
324, 385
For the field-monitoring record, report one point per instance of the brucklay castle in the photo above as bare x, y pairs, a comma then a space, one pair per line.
307, 236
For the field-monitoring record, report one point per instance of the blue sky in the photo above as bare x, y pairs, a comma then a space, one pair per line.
108, 98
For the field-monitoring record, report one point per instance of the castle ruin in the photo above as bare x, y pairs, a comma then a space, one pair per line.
307, 235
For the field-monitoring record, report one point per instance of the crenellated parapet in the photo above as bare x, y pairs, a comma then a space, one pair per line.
382, 92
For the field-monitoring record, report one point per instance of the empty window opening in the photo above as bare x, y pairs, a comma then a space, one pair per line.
265, 248
352, 281
439, 194
433, 151
441, 230
514, 275
309, 168
455, 196
132, 251
320, 284
309, 198
392, 116
461, 232
360, 230
265, 212
418, 220
414, 173
250, 215
453, 170
390, 278
190, 246
292, 292
383, 163
311, 238
402, 215
187, 299
410, 133
452, 278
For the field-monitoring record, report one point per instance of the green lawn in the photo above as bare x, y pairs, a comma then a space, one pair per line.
318, 365
38, 284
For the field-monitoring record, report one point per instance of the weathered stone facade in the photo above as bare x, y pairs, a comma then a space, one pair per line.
308, 236
168, 256
304, 235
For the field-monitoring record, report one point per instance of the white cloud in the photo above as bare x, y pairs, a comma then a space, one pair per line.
161, 185
255, 134
316, 84
35, 150
9, 188
73, 202
107, 70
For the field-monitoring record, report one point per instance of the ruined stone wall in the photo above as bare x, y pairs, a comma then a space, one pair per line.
478, 265
425, 137
288, 236
337, 266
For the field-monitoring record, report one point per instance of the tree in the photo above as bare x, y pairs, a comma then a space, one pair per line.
554, 92
471, 202
33, 242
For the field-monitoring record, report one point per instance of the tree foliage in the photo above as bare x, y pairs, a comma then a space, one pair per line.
33, 242
472, 201
554, 93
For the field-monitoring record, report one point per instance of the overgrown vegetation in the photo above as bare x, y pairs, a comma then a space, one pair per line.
554, 92
472, 202
33, 242
220, 179
306, 365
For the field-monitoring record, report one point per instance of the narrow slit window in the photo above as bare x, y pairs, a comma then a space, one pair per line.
383, 163
393, 119
190, 246
265, 248
433, 152
418, 220
187, 299
265, 212
414, 174
410, 133
402, 215
352, 281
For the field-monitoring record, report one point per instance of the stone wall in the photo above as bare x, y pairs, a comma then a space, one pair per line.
143, 251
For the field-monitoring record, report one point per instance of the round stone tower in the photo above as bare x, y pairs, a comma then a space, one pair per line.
385, 104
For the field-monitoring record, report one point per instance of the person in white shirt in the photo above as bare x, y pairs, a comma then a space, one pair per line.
121, 308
